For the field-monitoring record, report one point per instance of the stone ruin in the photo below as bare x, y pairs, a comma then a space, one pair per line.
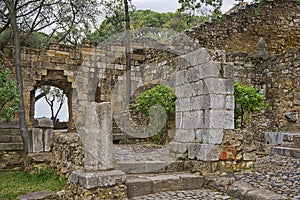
202, 79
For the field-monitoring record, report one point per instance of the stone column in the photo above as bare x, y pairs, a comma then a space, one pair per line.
97, 180
98, 137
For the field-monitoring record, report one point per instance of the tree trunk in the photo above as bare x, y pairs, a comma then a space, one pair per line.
16, 38
128, 66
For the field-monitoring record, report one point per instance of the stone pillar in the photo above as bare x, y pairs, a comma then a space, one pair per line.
205, 104
41, 136
98, 137
97, 180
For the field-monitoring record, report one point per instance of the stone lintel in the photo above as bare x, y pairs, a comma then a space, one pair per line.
43, 123
89, 179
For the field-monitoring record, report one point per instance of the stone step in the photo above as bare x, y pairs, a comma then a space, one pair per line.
8, 131
278, 138
143, 184
141, 167
10, 138
11, 146
287, 151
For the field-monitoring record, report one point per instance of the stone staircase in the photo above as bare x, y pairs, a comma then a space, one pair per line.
10, 138
143, 184
284, 143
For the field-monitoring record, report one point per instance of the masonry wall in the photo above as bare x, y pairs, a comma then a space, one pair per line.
277, 21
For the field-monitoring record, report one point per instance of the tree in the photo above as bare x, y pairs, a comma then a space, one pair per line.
25, 17
52, 95
247, 101
146, 18
201, 7
9, 96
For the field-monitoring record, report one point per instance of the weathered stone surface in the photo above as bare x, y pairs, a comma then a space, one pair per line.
291, 116
204, 152
273, 137
43, 123
89, 180
36, 140
98, 137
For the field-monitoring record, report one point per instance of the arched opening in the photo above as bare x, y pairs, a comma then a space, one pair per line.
39, 107
52, 102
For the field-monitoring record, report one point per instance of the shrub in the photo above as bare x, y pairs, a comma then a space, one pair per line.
162, 96
247, 101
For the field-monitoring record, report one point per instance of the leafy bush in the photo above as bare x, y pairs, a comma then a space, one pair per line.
158, 95
247, 101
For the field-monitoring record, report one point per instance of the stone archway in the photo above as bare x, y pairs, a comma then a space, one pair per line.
57, 79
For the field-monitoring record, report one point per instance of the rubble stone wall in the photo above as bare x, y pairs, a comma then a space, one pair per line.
277, 21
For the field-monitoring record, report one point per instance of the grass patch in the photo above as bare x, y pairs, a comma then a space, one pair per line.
15, 183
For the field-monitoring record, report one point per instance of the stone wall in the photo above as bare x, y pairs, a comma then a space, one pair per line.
278, 78
68, 153
277, 21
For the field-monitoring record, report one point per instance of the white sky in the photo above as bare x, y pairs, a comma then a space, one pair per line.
42, 108
172, 5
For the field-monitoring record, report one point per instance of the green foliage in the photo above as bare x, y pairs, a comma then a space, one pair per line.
158, 95
9, 96
247, 101
5, 37
15, 183
145, 18
36, 40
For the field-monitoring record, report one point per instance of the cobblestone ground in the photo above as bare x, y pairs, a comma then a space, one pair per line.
277, 173
202, 194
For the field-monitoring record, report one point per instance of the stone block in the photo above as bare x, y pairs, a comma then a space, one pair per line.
228, 70
89, 180
197, 57
48, 139
36, 140
183, 104
192, 120
43, 123
178, 118
184, 136
156, 166
204, 152
198, 102
217, 101
98, 137
132, 167
273, 137
210, 136
180, 77
165, 183
215, 86
210, 69
230, 102
191, 181
138, 187
177, 147
193, 74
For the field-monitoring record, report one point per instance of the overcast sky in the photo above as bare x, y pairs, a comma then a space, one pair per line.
172, 5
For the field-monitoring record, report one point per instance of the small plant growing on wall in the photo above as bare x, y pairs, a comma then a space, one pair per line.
247, 101
158, 95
